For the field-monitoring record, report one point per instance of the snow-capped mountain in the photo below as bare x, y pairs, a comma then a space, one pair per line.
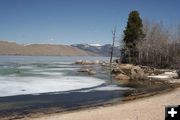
103, 50
96, 45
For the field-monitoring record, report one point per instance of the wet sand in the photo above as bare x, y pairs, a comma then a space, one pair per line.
150, 108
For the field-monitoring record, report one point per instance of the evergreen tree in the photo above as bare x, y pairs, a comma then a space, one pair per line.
133, 34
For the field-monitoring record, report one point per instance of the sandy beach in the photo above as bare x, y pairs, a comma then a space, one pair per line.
150, 108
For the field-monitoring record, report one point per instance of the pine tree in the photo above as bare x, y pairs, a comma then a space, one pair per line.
133, 34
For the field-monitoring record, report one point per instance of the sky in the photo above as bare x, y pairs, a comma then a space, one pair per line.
77, 21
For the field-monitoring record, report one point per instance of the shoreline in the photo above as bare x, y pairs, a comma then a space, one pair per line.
53, 111
151, 107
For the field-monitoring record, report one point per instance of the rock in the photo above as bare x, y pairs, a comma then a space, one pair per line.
117, 70
122, 77
97, 62
158, 71
137, 73
84, 70
87, 70
133, 72
152, 74
91, 72
152, 71
104, 64
87, 62
126, 68
147, 70
87, 67
84, 62
79, 62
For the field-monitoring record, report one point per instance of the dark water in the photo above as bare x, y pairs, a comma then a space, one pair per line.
29, 103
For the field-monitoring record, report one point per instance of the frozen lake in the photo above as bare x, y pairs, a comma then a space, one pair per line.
21, 75
29, 83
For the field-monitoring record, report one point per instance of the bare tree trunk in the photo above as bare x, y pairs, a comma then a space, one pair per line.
112, 49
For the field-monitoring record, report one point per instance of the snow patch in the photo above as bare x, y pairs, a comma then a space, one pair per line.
165, 75
159, 76
96, 45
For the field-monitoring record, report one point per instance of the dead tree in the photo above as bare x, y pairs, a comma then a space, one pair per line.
112, 48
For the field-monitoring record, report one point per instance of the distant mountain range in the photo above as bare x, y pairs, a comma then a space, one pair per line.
12, 48
103, 50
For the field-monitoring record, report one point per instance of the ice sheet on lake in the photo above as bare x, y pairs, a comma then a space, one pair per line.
36, 75
10, 86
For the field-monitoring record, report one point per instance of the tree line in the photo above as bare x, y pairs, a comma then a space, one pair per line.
150, 43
